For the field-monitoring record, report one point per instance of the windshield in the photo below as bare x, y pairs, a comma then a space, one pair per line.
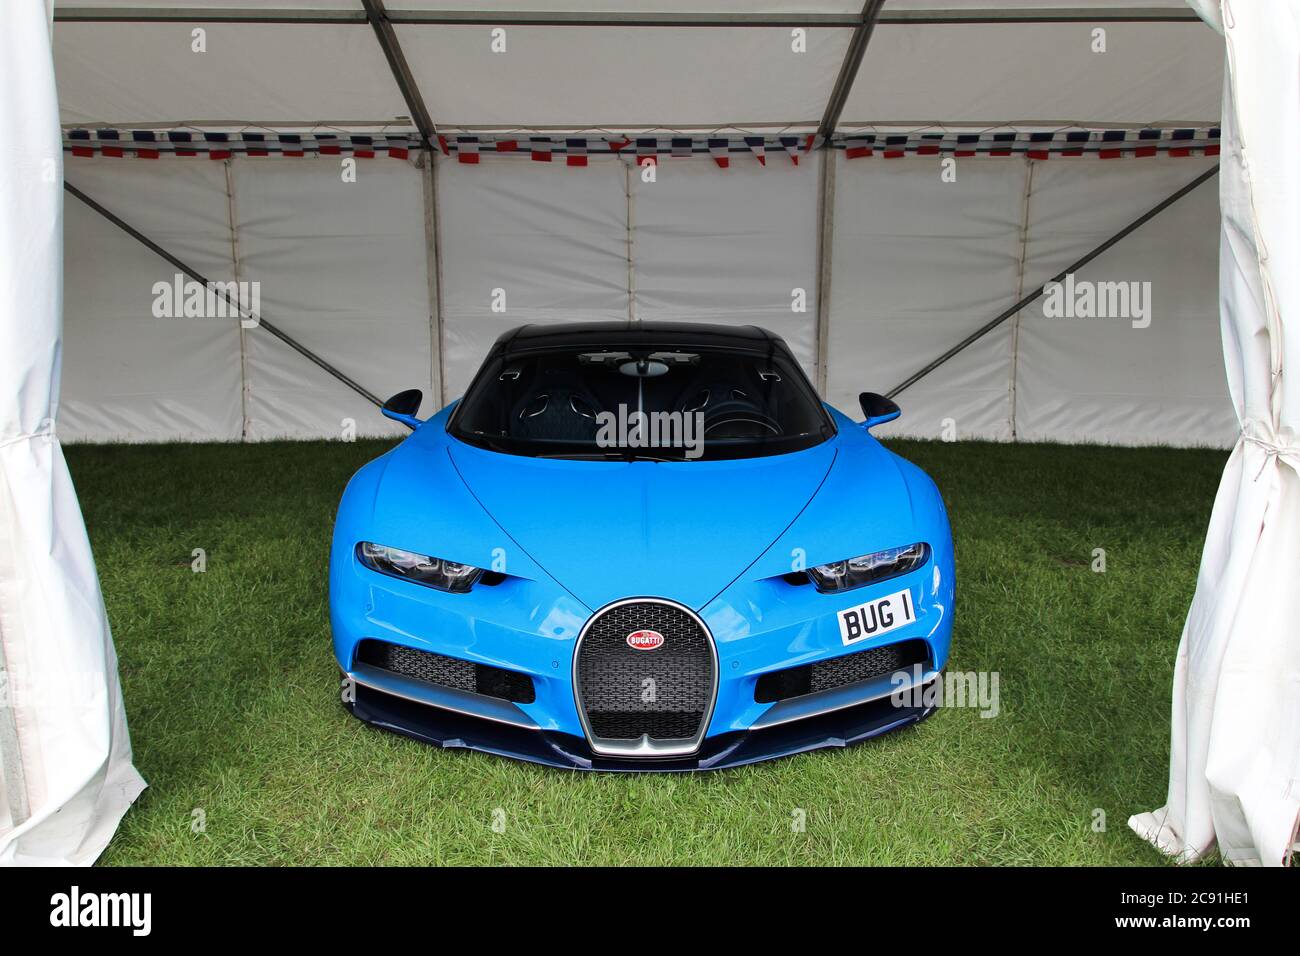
653, 403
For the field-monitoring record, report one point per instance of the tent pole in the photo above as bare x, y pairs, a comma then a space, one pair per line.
1020, 291
379, 19
1079, 14
182, 14
619, 18
849, 68
232, 218
433, 263
628, 189
825, 240
1072, 267
202, 280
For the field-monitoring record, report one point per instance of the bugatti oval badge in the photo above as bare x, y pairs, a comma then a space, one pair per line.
645, 640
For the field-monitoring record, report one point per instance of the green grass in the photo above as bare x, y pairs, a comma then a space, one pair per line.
232, 695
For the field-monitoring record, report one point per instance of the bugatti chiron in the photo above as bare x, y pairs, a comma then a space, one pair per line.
640, 547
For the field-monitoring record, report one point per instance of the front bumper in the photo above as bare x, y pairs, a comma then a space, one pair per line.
452, 729
531, 627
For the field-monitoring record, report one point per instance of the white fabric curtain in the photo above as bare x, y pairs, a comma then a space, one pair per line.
1234, 778
65, 759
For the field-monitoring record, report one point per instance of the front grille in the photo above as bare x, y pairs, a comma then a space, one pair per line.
663, 694
838, 671
448, 671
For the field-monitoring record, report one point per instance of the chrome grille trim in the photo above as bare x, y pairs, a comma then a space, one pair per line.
645, 746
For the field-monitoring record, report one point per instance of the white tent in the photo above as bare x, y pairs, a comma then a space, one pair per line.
1234, 775
1060, 137
882, 183
65, 760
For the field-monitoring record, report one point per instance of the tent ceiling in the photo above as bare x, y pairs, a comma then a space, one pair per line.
329, 70
162, 5
827, 12
1020, 6
649, 76
1030, 74
263, 73
846, 8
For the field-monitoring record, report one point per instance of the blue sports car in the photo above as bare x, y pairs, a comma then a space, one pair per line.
641, 547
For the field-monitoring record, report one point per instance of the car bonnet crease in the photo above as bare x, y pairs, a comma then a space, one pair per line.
612, 530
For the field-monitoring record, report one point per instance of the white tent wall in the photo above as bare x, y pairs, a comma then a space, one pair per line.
343, 269
919, 264
729, 246
916, 264
1235, 735
1086, 379
706, 245
65, 754
552, 239
127, 375
341, 265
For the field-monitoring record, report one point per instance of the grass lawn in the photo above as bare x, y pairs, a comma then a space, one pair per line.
231, 687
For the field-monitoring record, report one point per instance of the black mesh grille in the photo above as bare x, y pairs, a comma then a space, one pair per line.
662, 693
838, 671
448, 671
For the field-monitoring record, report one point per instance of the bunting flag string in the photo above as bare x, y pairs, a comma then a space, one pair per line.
791, 145
1101, 144
576, 150
540, 149
645, 151
718, 149
467, 149
156, 144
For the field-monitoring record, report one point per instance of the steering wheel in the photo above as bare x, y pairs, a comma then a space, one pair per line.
738, 417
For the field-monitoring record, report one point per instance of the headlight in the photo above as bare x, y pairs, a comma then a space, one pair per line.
420, 568
854, 573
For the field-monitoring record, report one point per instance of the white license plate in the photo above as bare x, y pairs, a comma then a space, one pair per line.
876, 617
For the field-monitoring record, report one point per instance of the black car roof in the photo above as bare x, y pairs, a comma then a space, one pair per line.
605, 334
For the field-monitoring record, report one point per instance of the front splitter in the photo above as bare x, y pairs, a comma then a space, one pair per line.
450, 729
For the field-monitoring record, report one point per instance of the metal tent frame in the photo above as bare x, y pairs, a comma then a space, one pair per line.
874, 12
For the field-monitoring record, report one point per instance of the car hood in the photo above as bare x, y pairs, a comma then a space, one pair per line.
612, 530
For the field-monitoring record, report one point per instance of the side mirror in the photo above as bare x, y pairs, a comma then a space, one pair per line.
878, 409
403, 406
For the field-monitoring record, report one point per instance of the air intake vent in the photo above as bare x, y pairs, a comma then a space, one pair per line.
448, 671
645, 669
838, 671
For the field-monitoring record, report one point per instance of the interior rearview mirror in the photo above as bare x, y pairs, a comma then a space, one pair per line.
403, 406
877, 409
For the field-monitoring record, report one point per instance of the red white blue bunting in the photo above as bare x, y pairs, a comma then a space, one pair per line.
156, 144
1098, 143
648, 150
1104, 144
